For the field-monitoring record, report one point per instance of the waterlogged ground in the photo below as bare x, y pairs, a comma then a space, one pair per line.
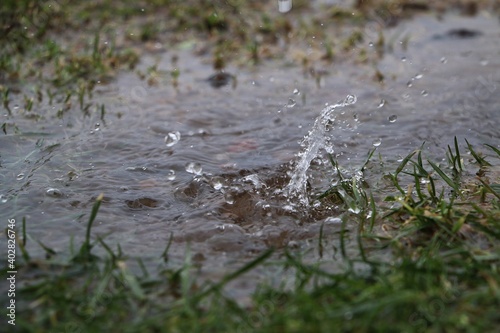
208, 166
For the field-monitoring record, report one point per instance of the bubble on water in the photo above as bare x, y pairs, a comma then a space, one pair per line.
382, 103
20, 176
350, 99
424, 93
377, 142
172, 138
53, 192
284, 6
393, 118
218, 182
296, 91
291, 103
171, 175
443, 60
228, 197
194, 168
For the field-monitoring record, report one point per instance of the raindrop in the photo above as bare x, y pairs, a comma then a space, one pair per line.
333, 220
410, 83
194, 168
484, 62
20, 176
284, 6
393, 118
354, 210
443, 60
424, 93
16, 107
403, 59
54, 192
228, 197
296, 91
217, 182
381, 104
370, 44
377, 142
291, 103
419, 76
171, 175
172, 138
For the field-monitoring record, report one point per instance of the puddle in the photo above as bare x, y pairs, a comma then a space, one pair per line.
206, 161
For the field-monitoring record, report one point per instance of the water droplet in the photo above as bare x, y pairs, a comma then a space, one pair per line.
393, 118
20, 176
424, 93
228, 197
484, 62
218, 182
172, 138
296, 91
284, 6
3, 199
419, 76
333, 220
16, 106
410, 83
377, 142
54, 192
194, 168
171, 175
291, 103
354, 210
350, 99
370, 44
443, 60
381, 104
403, 59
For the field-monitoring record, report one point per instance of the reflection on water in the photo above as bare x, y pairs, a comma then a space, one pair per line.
208, 166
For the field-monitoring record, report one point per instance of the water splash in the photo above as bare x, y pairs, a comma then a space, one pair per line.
315, 140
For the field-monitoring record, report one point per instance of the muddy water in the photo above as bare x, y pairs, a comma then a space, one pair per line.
217, 190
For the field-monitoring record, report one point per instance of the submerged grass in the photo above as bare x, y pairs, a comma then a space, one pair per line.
442, 275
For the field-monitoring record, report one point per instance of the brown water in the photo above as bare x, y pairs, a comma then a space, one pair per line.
241, 141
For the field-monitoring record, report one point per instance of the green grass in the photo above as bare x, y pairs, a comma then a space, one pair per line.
437, 226
442, 273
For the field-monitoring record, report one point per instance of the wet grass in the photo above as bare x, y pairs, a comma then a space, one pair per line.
440, 223
441, 227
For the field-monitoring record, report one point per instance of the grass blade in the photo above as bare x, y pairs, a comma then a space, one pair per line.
257, 261
479, 159
496, 150
447, 179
